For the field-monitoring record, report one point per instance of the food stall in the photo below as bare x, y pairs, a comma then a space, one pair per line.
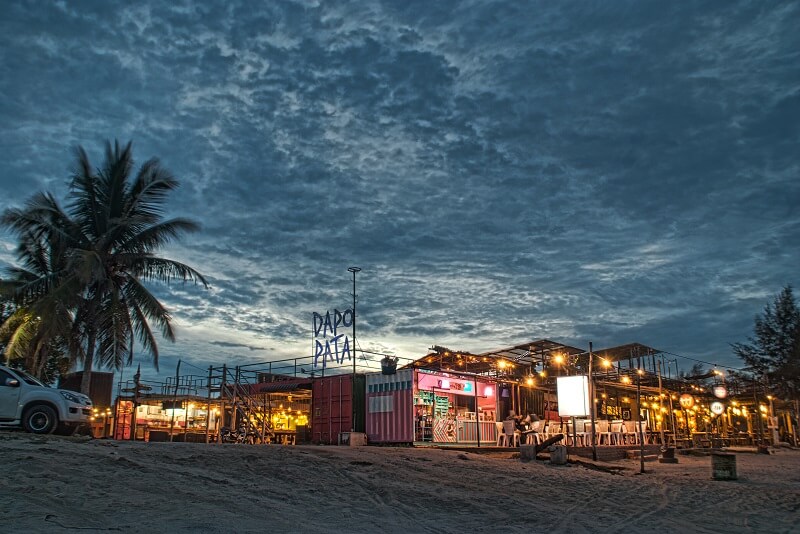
418, 405
454, 409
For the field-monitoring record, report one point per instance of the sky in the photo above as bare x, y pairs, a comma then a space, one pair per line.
501, 172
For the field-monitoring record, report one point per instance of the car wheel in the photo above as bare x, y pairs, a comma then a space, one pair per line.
40, 419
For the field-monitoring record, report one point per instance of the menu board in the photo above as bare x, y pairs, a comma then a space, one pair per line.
441, 407
440, 403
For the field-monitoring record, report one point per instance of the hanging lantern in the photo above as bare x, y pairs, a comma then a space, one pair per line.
687, 401
717, 408
720, 392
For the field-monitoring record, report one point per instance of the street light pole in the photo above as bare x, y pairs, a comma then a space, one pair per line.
354, 270
592, 404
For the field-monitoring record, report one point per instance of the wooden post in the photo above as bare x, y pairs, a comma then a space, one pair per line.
208, 403
234, 410
174, 400
477, 415
186, 422
660, 404
592, 405
222, 400
136, 393
639, 413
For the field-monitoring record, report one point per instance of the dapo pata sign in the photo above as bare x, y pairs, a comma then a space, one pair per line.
330, 340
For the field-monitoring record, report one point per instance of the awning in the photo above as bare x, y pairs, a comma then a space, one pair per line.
275, 387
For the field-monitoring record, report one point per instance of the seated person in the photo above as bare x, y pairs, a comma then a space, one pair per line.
533, 422
518, 423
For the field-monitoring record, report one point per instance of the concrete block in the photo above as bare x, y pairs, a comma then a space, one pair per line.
558, 454
527, 452
353, 439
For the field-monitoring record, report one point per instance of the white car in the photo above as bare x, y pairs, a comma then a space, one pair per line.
26, 402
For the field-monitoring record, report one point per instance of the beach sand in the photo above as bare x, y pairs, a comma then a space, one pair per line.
58, 484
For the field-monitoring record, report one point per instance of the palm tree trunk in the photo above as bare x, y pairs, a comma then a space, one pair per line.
86, 378
44, 355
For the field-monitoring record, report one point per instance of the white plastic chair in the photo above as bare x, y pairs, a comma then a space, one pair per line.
534, 435
553, 428
510, 434
499, 431
633, 434
583, 429
603, 434
617, 432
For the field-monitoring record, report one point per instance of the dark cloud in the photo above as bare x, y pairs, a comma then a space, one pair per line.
501, 171
235, 345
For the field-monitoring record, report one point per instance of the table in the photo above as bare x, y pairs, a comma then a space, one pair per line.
284, 437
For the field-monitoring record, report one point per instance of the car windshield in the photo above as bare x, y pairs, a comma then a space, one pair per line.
28, 378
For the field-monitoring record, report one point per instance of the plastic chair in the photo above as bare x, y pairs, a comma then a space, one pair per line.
553, 428
603, 434
616, 432
510, 434
533, 436
634, 434
499, 431
583, 429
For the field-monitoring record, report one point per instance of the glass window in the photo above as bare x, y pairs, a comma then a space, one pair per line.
5, 376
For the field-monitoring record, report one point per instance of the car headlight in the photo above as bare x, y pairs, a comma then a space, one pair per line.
72, 397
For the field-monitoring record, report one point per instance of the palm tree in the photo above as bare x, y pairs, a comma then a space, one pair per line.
35, 334
112, 228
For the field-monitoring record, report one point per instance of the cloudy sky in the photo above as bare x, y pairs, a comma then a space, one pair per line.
501, 171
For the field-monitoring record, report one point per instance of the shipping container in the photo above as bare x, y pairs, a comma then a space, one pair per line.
100, 386
335, 400
425, 406
390, 407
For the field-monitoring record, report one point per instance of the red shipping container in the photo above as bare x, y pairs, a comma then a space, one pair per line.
331, 408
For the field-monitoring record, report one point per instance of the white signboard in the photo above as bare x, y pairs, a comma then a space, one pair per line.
573, 396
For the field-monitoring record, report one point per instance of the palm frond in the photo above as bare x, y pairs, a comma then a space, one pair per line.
114, 332
162, 270
144, 334
155, 236
150, 307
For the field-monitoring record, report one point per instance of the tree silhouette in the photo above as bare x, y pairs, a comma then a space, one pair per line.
773, 352
107, 239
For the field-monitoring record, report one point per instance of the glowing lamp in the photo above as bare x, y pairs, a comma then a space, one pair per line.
687, 401
717, 408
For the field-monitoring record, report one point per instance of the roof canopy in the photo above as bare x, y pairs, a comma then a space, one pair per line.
624, 352
510, 361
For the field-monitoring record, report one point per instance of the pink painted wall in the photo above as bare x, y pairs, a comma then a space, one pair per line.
390, 407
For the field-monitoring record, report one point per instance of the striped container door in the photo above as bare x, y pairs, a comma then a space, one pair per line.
390, 407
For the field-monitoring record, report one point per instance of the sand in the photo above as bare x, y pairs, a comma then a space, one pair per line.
58, 484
